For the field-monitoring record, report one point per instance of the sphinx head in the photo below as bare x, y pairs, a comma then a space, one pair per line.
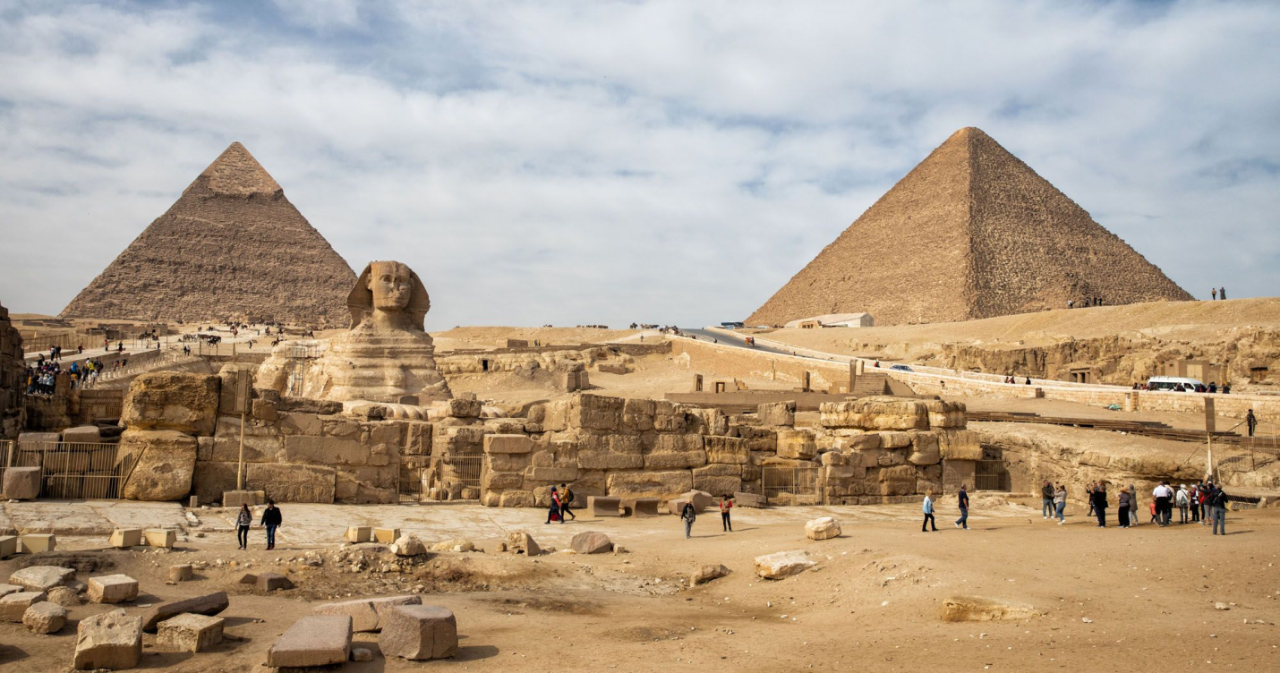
391, 284
389, 295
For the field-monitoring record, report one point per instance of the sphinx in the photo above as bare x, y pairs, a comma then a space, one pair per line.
385, 357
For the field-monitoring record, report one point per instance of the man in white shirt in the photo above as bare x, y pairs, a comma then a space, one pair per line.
1164, 502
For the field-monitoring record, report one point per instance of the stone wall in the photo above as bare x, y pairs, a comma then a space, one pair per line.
12, 378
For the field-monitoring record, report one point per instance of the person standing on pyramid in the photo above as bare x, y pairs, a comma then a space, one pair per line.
1214, 291
1222, 293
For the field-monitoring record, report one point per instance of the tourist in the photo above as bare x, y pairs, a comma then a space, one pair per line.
243, 521
553, 514
963, 500
1060, 502
1122, 507
1164, 496
1088, 496
1133, 513
1193, 499
688, 514
1222, 294
1213, 292
928, 515
1100, 504
566, 499
1183, 500
1218, 509
726, 504
1251, 421
271, 520
1046, 501
1226, 388
1213, 387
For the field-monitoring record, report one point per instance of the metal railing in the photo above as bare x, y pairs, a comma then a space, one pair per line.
462, 470
790, 485
71, 470
991, 475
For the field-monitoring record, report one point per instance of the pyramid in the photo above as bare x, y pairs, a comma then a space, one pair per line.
971, 232
231, 248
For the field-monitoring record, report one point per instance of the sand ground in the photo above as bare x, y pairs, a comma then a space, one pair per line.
1112, 600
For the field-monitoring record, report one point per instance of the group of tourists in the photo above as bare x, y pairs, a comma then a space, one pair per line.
1204, 503
1010, 379
1088, 301
271, 520
689, 514
561, 501
1218, 292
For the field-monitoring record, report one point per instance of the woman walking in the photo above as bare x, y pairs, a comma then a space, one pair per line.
928, 515
726, 504
688, 514
243, 521
553, 514
1122, 510
1060, 502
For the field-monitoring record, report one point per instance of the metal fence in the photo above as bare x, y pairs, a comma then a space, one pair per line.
71, 470
790, 485
464, 472
991, 475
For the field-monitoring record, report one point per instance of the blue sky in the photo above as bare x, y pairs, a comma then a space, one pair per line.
610, 162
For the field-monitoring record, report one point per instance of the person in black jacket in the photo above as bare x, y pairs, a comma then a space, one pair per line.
271, 520
1100, 504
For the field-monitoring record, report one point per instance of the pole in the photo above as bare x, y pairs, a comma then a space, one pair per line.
1208, 473
240, 468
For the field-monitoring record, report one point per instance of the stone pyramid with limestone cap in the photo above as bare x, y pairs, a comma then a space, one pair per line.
231, 248
971, 232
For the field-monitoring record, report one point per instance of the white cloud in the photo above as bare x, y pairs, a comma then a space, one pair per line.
609, 162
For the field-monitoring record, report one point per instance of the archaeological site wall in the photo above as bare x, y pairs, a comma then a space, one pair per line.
12, 378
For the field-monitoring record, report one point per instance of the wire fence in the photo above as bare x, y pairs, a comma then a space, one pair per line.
71, 470
790, 485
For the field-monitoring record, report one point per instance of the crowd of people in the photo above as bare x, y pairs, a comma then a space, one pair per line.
1204, 503
1213, 387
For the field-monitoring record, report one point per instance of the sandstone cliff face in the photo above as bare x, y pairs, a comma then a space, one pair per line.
12, 377
971, 232
232, 247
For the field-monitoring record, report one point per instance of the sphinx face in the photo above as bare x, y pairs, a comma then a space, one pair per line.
391, 284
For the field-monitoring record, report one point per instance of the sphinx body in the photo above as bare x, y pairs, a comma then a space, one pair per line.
386, 356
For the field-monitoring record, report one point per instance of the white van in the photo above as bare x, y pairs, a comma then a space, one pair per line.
1171, 382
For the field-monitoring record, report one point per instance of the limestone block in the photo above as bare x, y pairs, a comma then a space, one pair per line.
709, 421
974, 609
875, 413
22, 483
366, 613
507, 444
166, 461
753, 500
457, 545
499, 462
730, 450
164, 538
822, 528
189, 633
778, 413
13, 606
595, 412
637, 415
591, 542
112, 589
716, 484
419, 633
41, 578
796, 444
356, 534
268, 582
111, 640
903, 473
895, 440
924, 450
946, 414
294, 483
708, 573
957, 473
265, 410
500, 481
83, 434
863, 442
38, 438
209, 604
8, 545
182, 572
34, 543
44, 617
516, 499
598, 506
661, 484
759, 439
521, 542
172, 401
550, 475
408, 545
701, 499
386, 535
325, 451
463, 408
783, 564
673, 460
123, 538
642, 507
233, 499
959, 445
609, 460
315, 640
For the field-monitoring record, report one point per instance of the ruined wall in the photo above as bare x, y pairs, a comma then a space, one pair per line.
787, 371
12, 378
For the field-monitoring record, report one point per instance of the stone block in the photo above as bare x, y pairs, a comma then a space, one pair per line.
233, 499
668, 460
22, 483
386, 535
419, 633
44, 617
609, 460
35, 439
783, 564
268, 582
8, 545
550, 475
869, 441
294, 483
189, 633
875, 413
13, 606
41, 578
83, 434
660, 484
591, 542
209, 604
366, 613
464, 408
164, 538
959, 445
726, 450
777, 413
822, 528
796, 444
507, 444
182, 572
722, 485
325, 451
521, 542
924, 450
172, 401
110, 640
112, 589
356, 534
164, 467
754, 500
265, 410
315, 640
598, 506
946, 414
708, 573
34, 543
516, 499
408, 545
642, 507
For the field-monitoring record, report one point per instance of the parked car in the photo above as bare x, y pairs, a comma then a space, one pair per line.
900, 368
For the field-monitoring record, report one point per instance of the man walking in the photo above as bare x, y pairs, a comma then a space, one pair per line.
1251, 421
1100, 504
1214, 292
1046, 501
688, 514
566, 499
963, 521
271, 520
1218, 509
928, 515
1162, 493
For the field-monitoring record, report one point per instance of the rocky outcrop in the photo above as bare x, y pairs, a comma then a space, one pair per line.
12, 378
164, 464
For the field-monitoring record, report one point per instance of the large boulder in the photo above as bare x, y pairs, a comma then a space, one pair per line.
822, 528
22, 483
367, 614
591, 542
521, 542
408, 545
315, 640
45, 617
165, 464
777, 413
111, 640
708, 573
419, 633
172, 401
42, 578
783, 564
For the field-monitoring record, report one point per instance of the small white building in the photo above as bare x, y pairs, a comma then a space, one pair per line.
835, 320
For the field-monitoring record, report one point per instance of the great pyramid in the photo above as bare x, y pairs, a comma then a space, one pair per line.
971, 232
232, 247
